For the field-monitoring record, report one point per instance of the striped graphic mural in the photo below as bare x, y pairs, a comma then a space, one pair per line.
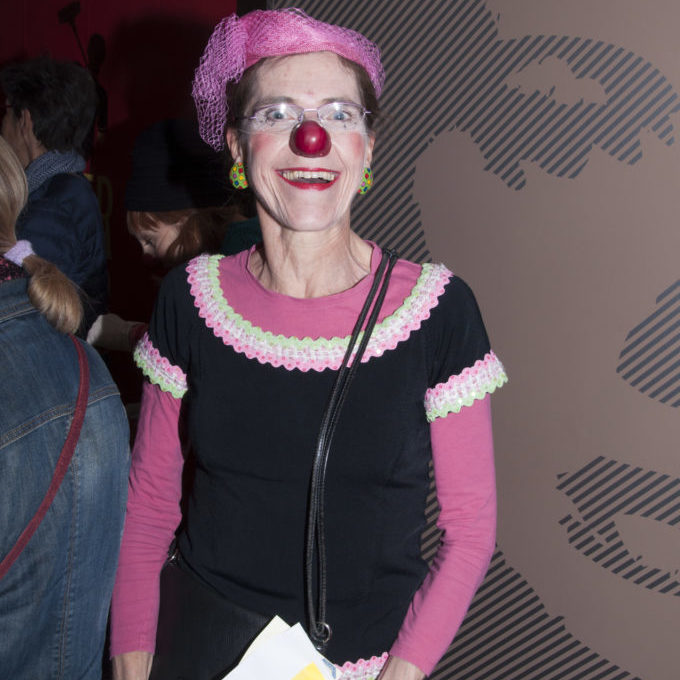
604, 491
650, 359
509, 635
449, 69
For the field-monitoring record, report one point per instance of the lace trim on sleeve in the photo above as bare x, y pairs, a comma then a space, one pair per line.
461, 390
363, 669
158, 369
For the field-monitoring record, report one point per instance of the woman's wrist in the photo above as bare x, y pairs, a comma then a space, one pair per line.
400, 669
132, 666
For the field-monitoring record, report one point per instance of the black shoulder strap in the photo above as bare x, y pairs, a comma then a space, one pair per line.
319, 630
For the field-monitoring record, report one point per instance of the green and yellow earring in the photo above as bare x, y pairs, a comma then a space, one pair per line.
237, 175
366, 181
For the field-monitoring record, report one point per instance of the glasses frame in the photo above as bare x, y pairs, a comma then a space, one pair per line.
301, 115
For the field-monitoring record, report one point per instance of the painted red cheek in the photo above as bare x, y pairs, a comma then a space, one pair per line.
310, 139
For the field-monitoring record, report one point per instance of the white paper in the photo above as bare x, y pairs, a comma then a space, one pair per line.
283, 654
274, 627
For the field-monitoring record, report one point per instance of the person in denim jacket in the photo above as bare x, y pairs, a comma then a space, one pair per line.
54, 598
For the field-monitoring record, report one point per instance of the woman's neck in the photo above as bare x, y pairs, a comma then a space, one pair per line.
310, 264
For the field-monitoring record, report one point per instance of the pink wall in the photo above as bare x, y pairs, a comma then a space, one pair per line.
152, 48
166, 34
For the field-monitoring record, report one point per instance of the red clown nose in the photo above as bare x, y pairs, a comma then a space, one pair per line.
310, 139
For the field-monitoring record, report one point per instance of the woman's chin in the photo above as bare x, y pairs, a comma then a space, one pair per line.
307, 220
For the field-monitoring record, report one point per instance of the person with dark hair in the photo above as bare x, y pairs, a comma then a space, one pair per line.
63, 498
179, 204
178, 199
48, 117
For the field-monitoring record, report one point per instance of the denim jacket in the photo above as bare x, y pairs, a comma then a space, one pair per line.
54, 599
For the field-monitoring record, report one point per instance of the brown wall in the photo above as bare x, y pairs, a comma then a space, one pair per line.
532, 147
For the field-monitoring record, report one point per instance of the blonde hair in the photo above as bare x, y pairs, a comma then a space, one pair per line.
50, 291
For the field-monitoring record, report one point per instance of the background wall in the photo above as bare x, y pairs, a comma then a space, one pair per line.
532, 147
144, 53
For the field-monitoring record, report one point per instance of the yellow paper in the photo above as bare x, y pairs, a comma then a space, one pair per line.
310, 672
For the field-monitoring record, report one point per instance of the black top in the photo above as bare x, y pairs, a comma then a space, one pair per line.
253, 428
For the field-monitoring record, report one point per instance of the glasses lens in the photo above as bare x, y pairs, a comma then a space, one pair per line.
283, 117
276, 117
341, 115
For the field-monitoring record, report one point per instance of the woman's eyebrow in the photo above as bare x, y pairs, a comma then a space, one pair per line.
268, 101
345, 100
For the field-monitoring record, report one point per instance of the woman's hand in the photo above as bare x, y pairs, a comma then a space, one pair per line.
399, 669
132, 666
109, 331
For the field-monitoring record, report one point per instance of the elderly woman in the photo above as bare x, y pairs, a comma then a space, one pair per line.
254, 348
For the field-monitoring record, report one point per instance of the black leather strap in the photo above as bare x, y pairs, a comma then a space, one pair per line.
319, 630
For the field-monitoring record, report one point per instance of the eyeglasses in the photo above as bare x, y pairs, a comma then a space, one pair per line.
283, 117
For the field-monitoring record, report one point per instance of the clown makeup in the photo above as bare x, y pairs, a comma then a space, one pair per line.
293, 190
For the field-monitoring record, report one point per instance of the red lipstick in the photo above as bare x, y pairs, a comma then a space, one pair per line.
316, 179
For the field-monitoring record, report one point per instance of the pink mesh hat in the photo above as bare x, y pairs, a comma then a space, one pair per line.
240, 42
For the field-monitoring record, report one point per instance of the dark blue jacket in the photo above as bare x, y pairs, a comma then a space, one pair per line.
63, 222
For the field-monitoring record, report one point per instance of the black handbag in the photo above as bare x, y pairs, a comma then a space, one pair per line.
201, 635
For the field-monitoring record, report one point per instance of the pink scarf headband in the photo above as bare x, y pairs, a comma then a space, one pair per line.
240, 42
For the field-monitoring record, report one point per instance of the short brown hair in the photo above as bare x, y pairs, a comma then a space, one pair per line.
61, 97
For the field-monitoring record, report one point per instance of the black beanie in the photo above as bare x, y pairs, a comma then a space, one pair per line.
174, 169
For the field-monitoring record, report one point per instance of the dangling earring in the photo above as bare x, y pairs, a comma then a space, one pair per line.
366, 181
237, 175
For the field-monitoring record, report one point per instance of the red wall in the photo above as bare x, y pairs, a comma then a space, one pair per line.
152, 48
157, 39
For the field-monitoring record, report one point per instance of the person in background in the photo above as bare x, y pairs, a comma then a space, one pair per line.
48, 117
248, 347
55, 593
179, 204
178, 199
